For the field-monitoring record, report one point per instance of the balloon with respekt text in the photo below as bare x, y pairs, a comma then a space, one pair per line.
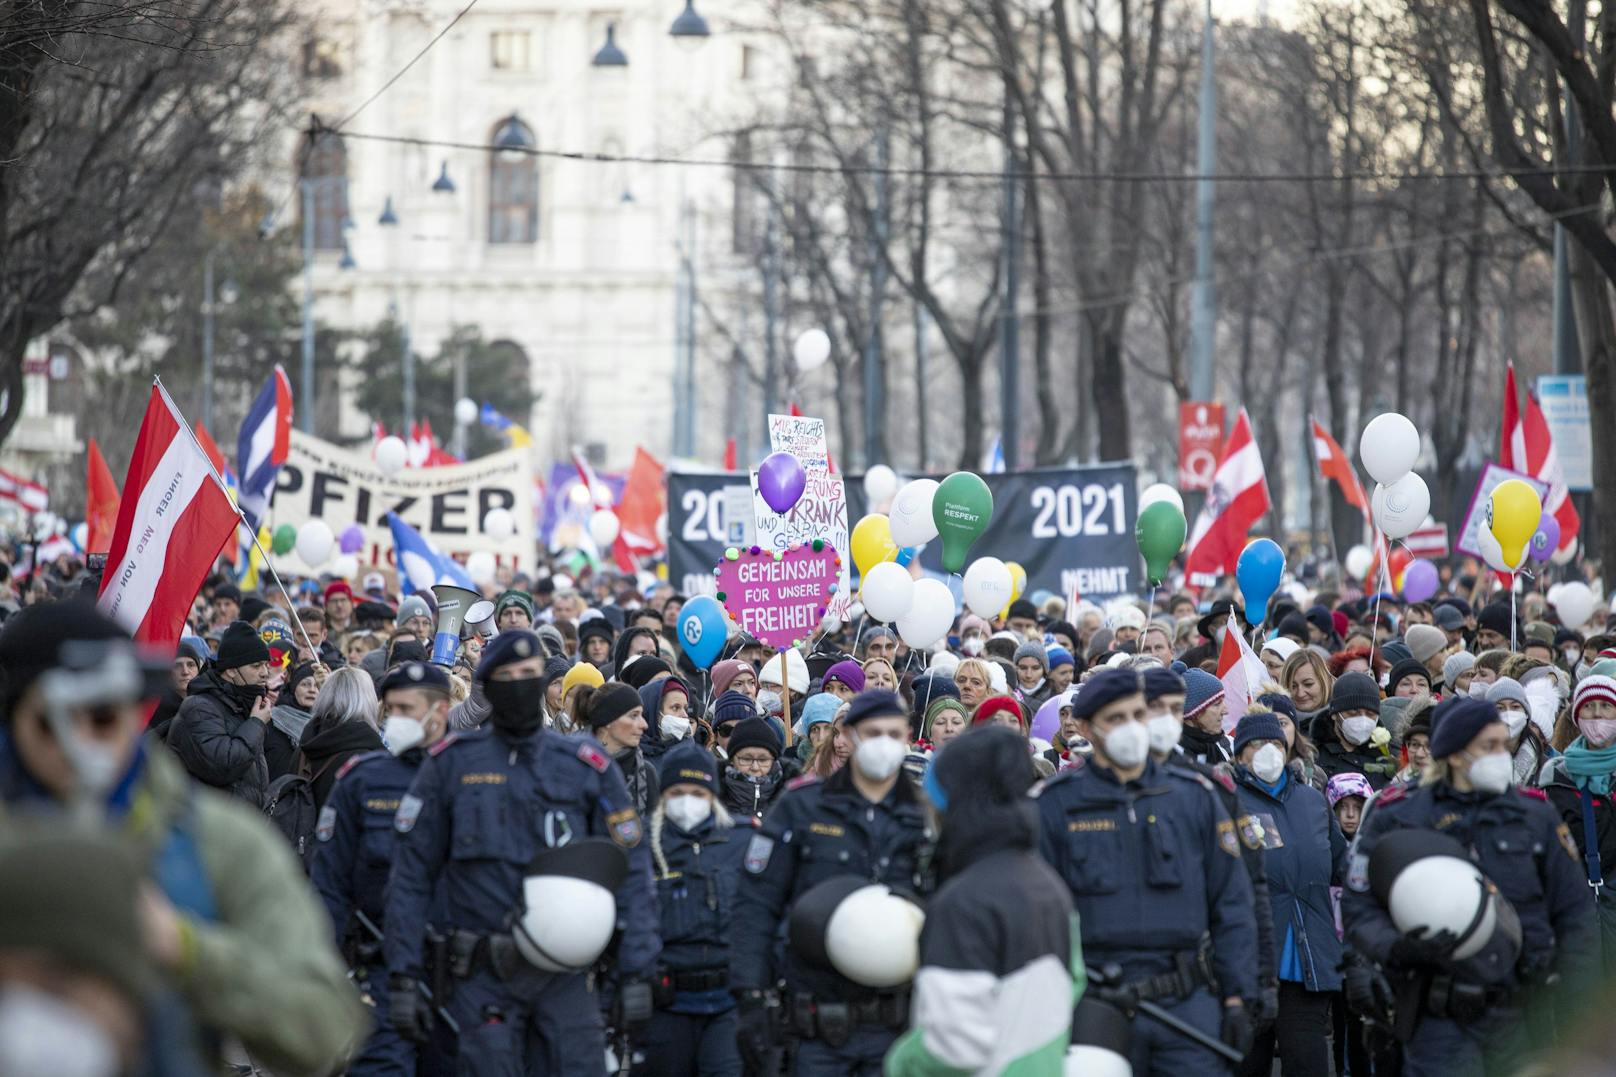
962, 508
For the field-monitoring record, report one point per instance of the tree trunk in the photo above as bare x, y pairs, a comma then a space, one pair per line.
970, 458
1597, 330
1109, 390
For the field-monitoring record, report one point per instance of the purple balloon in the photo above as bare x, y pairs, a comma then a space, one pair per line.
1547, 539
352, 539
781, 481
1046, 723
1420, 581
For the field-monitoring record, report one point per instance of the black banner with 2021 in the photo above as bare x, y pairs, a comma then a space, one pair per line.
1070, 528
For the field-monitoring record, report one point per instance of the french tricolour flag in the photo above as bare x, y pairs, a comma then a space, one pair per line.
261, 448
172, 520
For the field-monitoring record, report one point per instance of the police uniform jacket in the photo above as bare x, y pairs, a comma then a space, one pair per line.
479, 809
356, 841
820, 829
1153, 865
1518, 842
697, 872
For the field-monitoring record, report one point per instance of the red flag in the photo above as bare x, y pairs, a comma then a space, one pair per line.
1525, 445
729, 455
1334, 465
1237, 499
174, 516
101, 507
232, 550
643, 502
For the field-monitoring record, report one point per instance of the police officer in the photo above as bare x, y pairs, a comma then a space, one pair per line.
482, 805
1154, 867
865, 820
696, 856
1518, 842
356, 845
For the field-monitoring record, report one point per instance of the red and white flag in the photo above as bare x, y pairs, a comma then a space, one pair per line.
174, 517
1334, 465
1237, 499
599, 493
644, 501
1242, 673
30, 495
1525, 445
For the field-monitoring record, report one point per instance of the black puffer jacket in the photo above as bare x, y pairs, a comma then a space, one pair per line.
746, 796
219, 741
1337, 757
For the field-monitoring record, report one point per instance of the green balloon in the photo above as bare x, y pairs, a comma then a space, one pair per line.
284, 539
1160, 533
961, 509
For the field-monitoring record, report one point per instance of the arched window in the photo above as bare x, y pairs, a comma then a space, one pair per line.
325, 169
513, 184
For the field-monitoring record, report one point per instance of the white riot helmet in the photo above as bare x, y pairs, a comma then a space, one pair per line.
569, 904
860, 929
1101, 1035
1425, 880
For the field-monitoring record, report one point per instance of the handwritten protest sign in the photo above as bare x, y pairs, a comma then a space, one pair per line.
821, 512
778, 596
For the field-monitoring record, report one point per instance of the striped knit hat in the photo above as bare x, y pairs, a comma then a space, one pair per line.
1593, 687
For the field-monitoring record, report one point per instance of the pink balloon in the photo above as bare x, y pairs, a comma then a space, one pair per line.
1420, 581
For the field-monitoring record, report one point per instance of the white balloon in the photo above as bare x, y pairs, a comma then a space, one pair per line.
1400, 507
315, 542
1564, 555
987, 587
1575, 604
345, 567
499, 524
1388, 447
811, 350
930, 614
887, 590
603, 528
1492, 552
480, 567
465, 411
1160, 492
880, 483
910, 515
391, 454
1358, 560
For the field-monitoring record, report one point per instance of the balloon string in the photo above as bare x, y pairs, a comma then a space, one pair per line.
1374, 629
1512, 611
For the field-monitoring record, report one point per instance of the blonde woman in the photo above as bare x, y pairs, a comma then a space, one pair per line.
974, 679
879, 674
1306, 679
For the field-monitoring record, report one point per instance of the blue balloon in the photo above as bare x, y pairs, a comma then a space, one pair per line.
907, 554
702, 629
1258, 571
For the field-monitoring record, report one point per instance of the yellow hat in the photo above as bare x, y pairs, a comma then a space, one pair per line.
582, 673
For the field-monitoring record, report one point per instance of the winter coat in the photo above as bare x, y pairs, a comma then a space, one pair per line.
697, 872
1532, 758
1203, 747
641, 778
168, 705
1337, 757
1305, 854
652, 745
747, 799
219, 741
259, 962
328, 743
286, 725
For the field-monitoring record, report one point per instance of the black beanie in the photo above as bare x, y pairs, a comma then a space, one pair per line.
610, 702
753, 733
33, 638
1354, 692
1455, 723
240, 646
1408, 667
1496, 617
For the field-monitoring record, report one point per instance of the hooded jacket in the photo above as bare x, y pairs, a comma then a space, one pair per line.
328, 743
620, 648
652, 745
219, 741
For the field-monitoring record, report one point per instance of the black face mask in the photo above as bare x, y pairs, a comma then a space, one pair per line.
246, 695
518, 705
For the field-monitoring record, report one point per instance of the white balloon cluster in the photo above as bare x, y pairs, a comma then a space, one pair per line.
1388, 447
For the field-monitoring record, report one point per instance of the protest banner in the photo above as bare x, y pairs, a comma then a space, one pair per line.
1200, 439
821, 512
445, 504
778, 596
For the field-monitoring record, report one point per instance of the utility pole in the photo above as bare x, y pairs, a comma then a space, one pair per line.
1204, 310
1009, 323
771, 320
875, 382
207, 342
306, 412
920, 379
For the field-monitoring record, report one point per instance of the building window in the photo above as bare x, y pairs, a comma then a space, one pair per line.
743, 207
320, 58
508, 50
513, 184
325, 169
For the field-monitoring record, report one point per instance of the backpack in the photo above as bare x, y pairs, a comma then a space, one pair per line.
291, 806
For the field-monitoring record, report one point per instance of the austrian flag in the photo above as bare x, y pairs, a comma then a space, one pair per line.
173, 518
1237, 499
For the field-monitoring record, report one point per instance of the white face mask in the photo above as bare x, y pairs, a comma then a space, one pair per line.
1492, 773
768, 701
1356, 730
973, 646
1478, 689
674, 726
1268, 763
43, 1036
878, 758
1164, 730
401, 733
1515, 720
1598, 732
1128, 744
687, 810
1572, 655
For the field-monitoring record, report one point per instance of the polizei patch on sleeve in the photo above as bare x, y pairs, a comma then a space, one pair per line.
758, 852
327, 824
409, 810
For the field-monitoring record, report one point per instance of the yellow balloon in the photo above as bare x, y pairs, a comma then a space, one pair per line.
872, 542
1018, 583
1514, 512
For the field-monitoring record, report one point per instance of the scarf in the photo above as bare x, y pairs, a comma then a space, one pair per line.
1590, 768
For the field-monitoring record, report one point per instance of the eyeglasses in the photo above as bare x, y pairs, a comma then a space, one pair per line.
727, 728
760, 761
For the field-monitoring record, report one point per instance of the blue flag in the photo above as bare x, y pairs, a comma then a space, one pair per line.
420, 565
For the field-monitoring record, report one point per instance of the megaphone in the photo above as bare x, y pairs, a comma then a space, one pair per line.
454, 604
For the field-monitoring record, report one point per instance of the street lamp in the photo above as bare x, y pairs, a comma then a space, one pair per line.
388, 218
689, 28
227, 294
347, 259
443, 184
609, 54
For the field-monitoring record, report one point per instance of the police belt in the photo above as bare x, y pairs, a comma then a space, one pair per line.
469, 953
714, 979
833, 1021
1191, 971
1461, 1001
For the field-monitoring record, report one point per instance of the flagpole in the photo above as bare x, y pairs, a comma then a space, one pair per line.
241, 517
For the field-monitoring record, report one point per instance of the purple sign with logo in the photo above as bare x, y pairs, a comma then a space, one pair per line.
778, 596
